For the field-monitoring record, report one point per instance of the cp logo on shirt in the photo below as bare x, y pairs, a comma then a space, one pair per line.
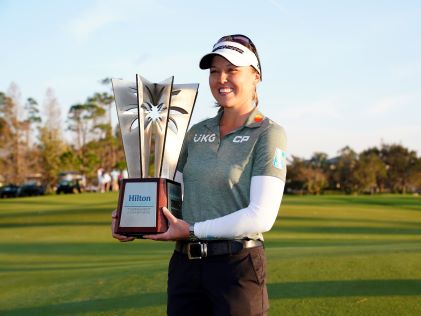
240, 139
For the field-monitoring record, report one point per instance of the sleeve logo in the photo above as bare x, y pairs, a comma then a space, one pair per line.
279, 159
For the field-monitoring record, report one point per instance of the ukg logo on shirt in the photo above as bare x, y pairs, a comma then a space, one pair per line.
204, 138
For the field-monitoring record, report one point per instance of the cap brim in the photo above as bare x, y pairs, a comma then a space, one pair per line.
235, 53
206, 61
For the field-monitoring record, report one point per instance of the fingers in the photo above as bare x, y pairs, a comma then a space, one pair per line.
164, 236
123, 238
173, 233
167, 235
171, 218
119, 237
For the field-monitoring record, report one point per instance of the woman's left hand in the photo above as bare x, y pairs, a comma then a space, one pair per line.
178, 229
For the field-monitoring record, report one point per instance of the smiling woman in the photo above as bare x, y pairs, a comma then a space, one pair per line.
233, 86
233, 170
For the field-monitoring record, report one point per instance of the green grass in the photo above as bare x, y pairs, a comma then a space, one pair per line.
327, 255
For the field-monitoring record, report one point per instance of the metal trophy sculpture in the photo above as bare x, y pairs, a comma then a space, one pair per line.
153, 119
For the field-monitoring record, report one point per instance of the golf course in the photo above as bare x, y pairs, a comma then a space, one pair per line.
327, 255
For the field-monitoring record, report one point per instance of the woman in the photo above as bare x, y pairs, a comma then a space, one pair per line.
233, 172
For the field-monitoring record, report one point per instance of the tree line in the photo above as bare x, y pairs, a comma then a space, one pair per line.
33, 143
33, 139
389, 168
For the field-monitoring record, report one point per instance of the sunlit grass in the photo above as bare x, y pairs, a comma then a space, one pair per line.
327, 255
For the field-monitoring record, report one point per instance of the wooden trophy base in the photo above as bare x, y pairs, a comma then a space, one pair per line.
140, 202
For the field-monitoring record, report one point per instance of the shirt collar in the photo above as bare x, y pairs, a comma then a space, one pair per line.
213, 122
254, 119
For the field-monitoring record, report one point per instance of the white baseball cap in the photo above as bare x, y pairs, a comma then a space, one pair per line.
235, 52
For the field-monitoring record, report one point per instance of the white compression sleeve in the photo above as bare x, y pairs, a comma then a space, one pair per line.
265, 198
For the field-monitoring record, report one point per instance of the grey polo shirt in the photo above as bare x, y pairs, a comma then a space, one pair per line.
217, 172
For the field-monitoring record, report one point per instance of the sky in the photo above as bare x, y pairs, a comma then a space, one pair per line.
335, 73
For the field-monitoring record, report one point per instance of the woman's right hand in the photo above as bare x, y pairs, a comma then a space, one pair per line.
121, 238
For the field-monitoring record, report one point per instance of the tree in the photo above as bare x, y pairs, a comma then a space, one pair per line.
315, 180
306, 176
401, 163
51, 144
414, 180
106, 100
6, 129
13, 162
319, 160
82, 119
370, 172
52, 112
103, 101
294, 182
109, 143
29, 127
344, 172
6, 136
16, 127
95, 142
51, 149
32, 119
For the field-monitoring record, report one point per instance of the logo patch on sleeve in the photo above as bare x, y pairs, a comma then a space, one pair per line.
279, 159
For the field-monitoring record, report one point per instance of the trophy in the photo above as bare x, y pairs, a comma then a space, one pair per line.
153, 119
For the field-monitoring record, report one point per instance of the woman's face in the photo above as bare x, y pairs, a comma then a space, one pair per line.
232, 86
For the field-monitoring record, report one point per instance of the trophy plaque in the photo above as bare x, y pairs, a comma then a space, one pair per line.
153, 119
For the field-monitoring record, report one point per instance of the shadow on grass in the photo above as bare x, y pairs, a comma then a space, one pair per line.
350, 230
324, 243
53, 224
85, 210
398, 202
343, 288
116, 304
87, 248
47, 203
409, 228
285, 219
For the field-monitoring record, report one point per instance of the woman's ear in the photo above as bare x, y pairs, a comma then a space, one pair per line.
257, 77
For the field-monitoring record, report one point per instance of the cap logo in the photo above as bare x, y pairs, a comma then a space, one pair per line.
239, 50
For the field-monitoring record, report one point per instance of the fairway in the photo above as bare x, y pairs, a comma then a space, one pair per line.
327, 255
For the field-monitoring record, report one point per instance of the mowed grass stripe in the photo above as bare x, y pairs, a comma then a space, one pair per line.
327, 255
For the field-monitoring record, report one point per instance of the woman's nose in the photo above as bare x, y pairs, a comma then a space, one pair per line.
223, 77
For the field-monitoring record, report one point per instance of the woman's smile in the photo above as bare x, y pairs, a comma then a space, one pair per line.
225, 90
232, 86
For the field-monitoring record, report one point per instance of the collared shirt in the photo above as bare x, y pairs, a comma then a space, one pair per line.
217, 172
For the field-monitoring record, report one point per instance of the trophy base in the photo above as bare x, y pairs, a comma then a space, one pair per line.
140, 202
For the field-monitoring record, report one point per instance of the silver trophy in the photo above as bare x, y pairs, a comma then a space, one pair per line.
153, 119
